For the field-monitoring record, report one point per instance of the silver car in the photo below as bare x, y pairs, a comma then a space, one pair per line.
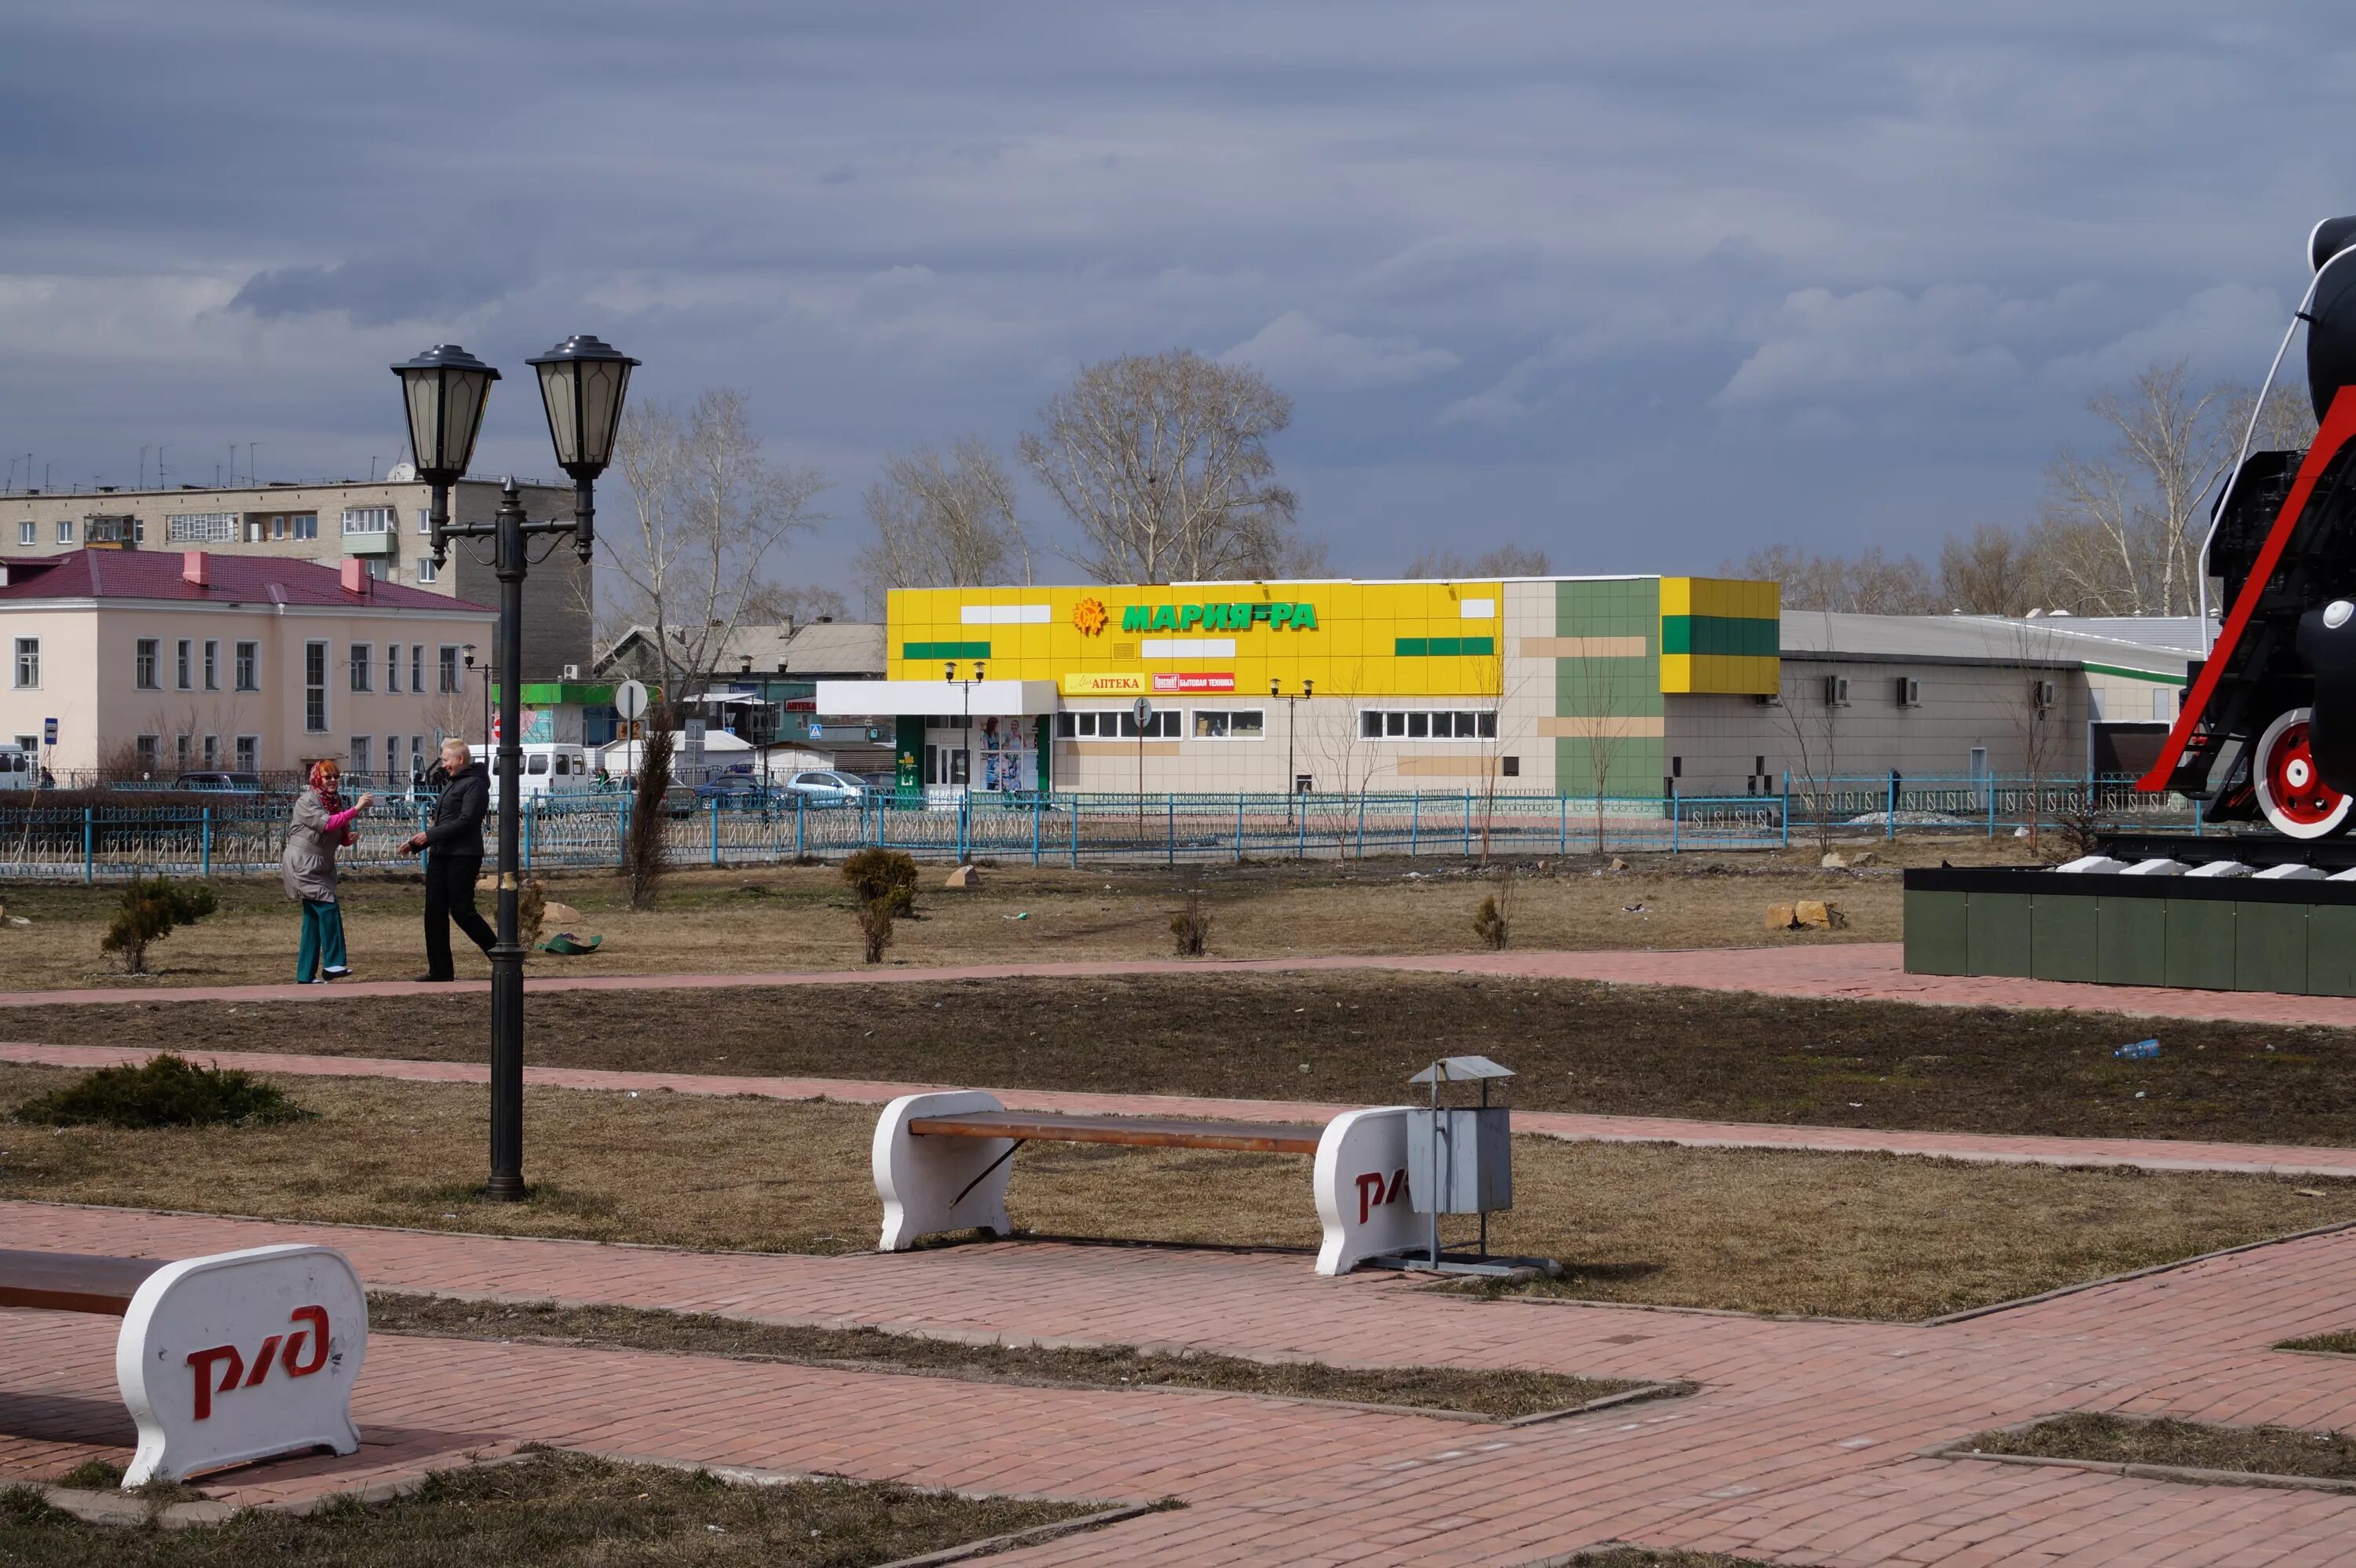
823, 786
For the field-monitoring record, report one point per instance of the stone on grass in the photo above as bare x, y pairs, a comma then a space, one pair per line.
1833, 861
964, 877
1818, 914
560, 915
1778, 918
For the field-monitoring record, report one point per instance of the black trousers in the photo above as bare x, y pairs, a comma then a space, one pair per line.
450, 895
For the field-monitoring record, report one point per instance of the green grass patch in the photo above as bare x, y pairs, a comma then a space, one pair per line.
166, 1091
2340, 1343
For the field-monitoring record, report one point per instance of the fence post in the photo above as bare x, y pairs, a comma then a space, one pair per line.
1890, 818
209, 843
1038, 806
531, 812
1414, 821
621, 832
1172, 801
1676, 822
1988, 784
1076, 830
89, 870
1787, 810
2196, 816
1562, 824
1239, 827
1468, 822
1362, 821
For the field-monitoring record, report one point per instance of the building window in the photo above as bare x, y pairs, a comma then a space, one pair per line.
186, 666
212, 664
362, 679
304, 525
149, 751
449, 661
1227, 724
212, 750
249, 754
426, 571
199, 527
368, 519
28, 662
417, 667
1417, 724
1108, 725
1162, 726
314, 688
392, 667
252, 530
416, 756
1511, 767
180, 752
249, 667
28, 532
64, 531
277, 528
146, 676
424, 519
362, 750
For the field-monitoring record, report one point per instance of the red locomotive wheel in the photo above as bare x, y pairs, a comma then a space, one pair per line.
2297, 800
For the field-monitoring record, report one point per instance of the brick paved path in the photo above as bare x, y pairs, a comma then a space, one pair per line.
2150, 1154
1800, 1446
1856, 971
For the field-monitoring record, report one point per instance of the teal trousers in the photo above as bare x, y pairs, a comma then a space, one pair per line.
323, 938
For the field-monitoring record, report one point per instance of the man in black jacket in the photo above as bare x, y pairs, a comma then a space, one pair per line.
454, 860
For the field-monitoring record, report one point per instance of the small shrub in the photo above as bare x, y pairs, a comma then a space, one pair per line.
166, 1091
643, 864
875, 926
531, 910
1190, 927
151, 908
886, 874
1491, 923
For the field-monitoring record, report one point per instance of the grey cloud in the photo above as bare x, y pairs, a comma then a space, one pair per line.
379, 290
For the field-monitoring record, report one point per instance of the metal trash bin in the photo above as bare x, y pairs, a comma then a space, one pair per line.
1460, 1161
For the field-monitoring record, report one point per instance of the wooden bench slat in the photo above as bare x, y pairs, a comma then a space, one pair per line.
1148, 1132
71, 1281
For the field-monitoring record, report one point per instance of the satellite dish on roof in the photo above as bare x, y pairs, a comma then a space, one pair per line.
401, 474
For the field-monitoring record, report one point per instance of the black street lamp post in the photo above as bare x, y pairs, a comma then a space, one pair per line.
1292, 704
582, 383
965, 732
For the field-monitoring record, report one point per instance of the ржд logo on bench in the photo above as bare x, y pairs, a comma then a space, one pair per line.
312, 1340
1374, 1190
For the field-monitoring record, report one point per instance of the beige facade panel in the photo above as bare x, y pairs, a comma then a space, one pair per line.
1602, 727
1583, 647
1130, 749
1450, 768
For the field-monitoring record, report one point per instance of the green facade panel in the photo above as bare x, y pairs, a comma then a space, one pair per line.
944, 650
2065, 938
2331, 951
2270, 948
1999, 928
2200, 950
1630, 768
2131, 942
1721, 635
1935, 933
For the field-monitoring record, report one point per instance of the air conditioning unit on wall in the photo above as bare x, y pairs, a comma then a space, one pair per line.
1836, 691
2044, 694
1909, 691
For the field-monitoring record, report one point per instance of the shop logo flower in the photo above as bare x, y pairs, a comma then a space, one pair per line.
1090, 616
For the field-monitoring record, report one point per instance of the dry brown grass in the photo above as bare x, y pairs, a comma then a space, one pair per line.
801, 917
1498, 1394
551, 1510
2190, 1445
1853, 1235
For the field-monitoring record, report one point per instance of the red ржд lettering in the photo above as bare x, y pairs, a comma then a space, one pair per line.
313, 1336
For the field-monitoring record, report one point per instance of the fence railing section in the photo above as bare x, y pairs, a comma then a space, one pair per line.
239, 834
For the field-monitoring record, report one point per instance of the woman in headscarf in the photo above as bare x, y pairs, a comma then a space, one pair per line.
322, 822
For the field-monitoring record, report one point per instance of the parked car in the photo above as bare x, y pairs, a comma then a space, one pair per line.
735, 789
824, 786
17, 769
679, 800
214, 783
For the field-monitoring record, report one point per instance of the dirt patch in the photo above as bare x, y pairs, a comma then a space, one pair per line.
2186, 1445
1499, 1394
1845, 1235
801, 917
1638, 1557
1353, 1039
2342, 1343
551, 1510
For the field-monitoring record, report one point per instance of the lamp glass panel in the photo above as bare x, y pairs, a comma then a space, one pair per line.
462, 412
603, 383
424, 388
558, 393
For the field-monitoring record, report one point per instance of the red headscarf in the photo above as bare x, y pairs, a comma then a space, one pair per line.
324, 775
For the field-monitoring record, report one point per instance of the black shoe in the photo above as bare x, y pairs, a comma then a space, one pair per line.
343, 973
436, 979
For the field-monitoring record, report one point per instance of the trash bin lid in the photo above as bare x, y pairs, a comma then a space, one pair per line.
1461, 1070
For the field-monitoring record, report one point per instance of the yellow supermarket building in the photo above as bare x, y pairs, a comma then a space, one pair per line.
1576, 685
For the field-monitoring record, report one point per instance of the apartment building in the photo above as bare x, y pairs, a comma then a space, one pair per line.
383, 525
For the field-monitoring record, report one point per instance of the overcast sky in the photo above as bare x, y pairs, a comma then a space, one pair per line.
1644, 286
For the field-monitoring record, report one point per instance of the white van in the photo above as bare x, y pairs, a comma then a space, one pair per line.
17, 768
552, 767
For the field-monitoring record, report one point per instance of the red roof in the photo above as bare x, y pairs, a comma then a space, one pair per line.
234, 578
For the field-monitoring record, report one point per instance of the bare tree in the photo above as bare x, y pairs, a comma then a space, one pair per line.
708, 512
1870, 583
1162, 464
942, 522
1809, 709
773, 604
1994, 571
1505, 560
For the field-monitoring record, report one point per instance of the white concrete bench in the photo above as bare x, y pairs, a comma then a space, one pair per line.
942, 1162
223, 1360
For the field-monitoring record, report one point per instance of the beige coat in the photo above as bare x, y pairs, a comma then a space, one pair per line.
308, 863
